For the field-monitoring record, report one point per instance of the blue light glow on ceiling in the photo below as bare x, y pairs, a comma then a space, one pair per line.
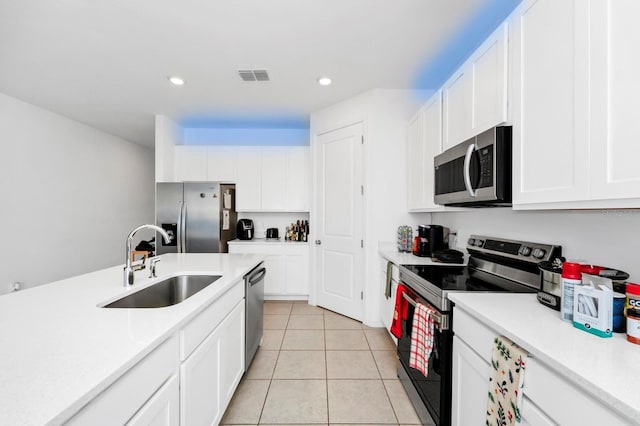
463, 43
246, 131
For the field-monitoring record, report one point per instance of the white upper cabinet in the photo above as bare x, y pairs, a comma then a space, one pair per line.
204, 163
221, 163
474, 98
615, 100
424, 142
248, 179
489, 82
273, 179
298, 179
549, 102
190, 163
456, 102
575, 97
270, 179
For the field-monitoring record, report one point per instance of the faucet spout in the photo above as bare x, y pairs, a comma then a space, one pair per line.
128, 269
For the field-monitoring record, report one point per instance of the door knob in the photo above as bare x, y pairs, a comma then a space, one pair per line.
318, 242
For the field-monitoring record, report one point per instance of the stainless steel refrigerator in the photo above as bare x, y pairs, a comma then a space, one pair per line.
200, 217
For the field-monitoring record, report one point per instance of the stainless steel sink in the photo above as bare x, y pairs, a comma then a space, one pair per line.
165, 293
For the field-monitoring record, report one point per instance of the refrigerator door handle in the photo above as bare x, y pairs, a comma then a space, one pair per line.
183, 230
179, 230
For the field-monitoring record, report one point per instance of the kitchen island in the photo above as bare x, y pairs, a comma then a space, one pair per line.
572, 377
60, 350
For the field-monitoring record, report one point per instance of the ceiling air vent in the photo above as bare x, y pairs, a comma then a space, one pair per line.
254, 75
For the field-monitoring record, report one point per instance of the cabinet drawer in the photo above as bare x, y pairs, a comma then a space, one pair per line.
195, 332
163, 409
474, 333
543, 386
118, 403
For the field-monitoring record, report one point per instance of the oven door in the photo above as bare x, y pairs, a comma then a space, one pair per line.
432, 392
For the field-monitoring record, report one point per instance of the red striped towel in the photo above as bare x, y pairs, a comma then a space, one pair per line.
422, 338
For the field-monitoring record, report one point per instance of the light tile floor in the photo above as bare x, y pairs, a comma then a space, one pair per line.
318, 367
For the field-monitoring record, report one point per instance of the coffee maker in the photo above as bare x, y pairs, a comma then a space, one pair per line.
429, 240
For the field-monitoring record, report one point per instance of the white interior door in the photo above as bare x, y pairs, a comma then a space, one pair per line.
339, 255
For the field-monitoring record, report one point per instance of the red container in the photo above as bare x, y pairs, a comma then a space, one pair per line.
591, 269
572, 271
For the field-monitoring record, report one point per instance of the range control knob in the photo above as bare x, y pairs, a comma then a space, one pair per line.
524, 251
471, 242
479, 243
539, 253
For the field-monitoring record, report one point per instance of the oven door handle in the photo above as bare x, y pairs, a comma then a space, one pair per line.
437, 318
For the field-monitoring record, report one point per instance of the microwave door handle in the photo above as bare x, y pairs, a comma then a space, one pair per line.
467, 169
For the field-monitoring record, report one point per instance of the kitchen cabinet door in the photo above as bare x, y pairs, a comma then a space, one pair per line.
232, 351
550, 101
296, 269
163, 409
416, 192
298, 182
190, 163
211, 374
470, 383
273, 179
274, 281
456, 108
488, 70
248, 179
221, 163
424, 143
615, 100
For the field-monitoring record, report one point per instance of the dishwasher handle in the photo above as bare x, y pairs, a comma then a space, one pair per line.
257, 276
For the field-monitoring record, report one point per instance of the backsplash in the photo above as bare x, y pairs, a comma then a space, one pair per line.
604, 237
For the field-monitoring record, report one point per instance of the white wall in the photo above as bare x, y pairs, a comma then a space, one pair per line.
385, 114
69, 195
604, 237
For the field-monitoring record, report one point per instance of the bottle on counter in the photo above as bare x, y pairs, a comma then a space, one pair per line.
571, 276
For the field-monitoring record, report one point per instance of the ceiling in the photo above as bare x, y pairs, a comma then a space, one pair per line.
106, 63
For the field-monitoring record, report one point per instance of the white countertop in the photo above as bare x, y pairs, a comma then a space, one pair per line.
607, 368
389, 251
267, 241
58, 349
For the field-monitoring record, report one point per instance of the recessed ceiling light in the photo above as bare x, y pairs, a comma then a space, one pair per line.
324, 81
176, 81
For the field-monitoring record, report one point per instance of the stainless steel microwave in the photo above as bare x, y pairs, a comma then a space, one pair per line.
477, 172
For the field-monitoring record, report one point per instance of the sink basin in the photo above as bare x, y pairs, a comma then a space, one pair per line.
165, 293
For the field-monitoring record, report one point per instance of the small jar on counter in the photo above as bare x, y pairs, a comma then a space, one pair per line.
632, 310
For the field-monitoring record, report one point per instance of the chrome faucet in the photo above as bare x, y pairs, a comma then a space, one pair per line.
128, 268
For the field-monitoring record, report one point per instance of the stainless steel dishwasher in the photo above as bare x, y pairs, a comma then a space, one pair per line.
254, 310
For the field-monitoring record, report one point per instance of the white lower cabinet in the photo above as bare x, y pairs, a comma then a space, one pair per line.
210, 375
548, 398
163, 409
287, 266
130, 393
188, 380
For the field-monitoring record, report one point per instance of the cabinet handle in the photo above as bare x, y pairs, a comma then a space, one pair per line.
318, 242
467, 169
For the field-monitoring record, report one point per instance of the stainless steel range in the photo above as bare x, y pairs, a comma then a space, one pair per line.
495, 265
